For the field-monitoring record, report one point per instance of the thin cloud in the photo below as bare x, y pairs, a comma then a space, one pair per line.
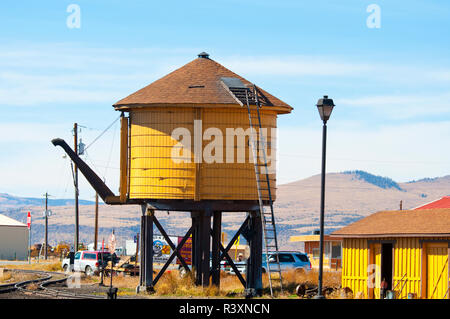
303, 65
402, 106
401, 151
31, 96
297, 66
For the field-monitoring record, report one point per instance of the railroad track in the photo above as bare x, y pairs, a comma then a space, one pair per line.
45, 279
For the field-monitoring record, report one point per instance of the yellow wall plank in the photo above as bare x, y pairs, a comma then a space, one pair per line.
153, 173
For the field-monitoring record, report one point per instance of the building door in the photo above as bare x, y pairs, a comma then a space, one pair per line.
386, 264
437, 270
374, 271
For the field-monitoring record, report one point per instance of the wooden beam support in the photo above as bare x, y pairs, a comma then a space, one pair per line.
230, 261
216, 240
205, 241
254, 263
201, 241
171, 244
244, 224
195, 206
172, 256
146, 262
224, 251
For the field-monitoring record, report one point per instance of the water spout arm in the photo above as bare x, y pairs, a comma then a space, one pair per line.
100, 187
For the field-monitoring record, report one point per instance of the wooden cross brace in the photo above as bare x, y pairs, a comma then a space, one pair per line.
177, 249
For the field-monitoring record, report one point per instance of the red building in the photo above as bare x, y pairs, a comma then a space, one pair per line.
444, 202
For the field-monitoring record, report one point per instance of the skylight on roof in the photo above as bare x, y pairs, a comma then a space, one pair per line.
233, 82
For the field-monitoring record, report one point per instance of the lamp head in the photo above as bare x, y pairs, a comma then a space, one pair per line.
325, 107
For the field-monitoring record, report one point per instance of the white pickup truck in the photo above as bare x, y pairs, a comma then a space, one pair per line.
89, 262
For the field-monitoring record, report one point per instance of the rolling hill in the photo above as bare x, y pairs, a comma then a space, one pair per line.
349, 196
7, 200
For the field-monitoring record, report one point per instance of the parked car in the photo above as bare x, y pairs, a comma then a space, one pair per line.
240, 265
89, 262
288, 260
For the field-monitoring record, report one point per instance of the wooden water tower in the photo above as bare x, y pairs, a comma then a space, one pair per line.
186, 145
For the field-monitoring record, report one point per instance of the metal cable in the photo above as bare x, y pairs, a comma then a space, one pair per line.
104, 131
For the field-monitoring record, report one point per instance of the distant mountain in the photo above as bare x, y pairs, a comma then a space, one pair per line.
7, 200
349, 196
383, 182
427, 179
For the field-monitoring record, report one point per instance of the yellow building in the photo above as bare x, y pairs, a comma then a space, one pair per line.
409, 248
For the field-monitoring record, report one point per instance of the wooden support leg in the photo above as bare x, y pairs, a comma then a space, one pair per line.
146, 259
205, 228
254, 263
195, 246
142, 251
216, 238
201, 241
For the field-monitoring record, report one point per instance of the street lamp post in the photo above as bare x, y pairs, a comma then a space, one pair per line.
325, 107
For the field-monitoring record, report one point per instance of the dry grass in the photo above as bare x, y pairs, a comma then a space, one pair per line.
308, 279
173, 284
5, 277
44, 266
330, 278
12, 277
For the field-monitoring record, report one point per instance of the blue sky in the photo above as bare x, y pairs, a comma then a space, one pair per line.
391, 84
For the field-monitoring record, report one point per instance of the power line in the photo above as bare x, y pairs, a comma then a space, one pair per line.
110, 151
101, 134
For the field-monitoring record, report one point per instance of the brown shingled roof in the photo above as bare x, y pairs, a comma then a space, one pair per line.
401, 223
198, 82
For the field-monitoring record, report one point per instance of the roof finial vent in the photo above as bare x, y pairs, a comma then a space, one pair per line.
203, 55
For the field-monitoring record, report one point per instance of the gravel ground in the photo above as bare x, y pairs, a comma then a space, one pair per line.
94, 289
21, 295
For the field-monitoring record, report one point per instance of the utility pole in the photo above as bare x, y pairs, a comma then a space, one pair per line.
29, 235
46, 225
96, 222
75, 133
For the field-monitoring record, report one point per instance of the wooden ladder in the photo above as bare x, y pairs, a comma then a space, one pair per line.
267, 217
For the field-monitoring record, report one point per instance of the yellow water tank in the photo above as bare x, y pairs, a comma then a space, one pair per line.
187, 136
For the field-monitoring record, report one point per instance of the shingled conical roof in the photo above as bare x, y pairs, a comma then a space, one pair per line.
197, 83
